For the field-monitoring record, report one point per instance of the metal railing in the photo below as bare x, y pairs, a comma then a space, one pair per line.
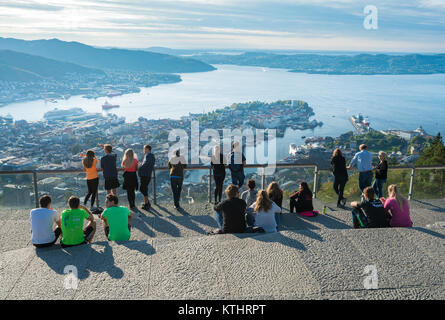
317, 171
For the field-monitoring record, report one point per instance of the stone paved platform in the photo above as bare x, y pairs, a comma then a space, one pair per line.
170, 257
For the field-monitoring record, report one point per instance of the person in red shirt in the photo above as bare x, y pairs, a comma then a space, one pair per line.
130, 165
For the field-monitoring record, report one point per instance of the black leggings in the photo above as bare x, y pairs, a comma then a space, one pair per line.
219, 181
339, 187
131, 196
93, 185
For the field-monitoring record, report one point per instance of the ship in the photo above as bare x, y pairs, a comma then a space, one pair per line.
313, 139
360, 123
57, 114
107, 106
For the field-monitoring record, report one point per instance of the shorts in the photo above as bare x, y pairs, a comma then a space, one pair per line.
111, 183
87, 233
145, 181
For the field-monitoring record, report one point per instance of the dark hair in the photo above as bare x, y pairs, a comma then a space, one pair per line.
88, 161
108, 148
147, 146
369, 193
177, 152
113, 198
304, 187
45, 201
74, 202
251, 184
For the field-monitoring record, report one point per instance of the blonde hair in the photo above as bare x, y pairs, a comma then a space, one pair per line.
231, 191
383, 154
394, 192
129, 156
274, 191
262, 201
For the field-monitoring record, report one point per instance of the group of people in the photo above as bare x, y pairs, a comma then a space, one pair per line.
373, 211
130, 164
252, 211
116, 222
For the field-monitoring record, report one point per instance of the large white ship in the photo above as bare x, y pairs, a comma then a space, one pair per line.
57, 114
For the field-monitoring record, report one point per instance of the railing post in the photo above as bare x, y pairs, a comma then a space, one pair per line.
314, 193
154, 186
263, 179
36, 191
411, 184
210, 185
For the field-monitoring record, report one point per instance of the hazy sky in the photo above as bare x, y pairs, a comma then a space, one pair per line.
403, 26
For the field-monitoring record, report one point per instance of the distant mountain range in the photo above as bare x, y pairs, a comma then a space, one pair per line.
117, 59
368, 64
17, 66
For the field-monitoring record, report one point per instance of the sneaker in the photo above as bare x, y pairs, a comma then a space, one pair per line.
343, 202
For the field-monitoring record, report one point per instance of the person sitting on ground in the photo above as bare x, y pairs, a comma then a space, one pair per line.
275, 194
73, 232
265, 212
42, 222
369, 213
301, 201
230, 214
116, 220
250, 195
398, 207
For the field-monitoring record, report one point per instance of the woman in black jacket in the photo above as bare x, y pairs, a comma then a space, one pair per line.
301, 201
338, 164
218, 163
381, 174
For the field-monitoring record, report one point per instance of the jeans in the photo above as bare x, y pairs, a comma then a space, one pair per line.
219, 181
378, 187
176, 184
219, 219
364, 180
238, 178
277, 218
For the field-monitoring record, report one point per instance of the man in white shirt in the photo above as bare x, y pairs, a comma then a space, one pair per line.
42, 223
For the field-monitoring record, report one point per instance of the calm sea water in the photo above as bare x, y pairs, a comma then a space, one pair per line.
390, 101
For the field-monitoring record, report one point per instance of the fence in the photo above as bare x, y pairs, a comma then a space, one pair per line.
40, 183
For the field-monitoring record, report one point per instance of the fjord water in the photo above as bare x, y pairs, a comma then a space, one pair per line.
390, 101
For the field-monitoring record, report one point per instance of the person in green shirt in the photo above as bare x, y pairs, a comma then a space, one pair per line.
73, 232
116, 220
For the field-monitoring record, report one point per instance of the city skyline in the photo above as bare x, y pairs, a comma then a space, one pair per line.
412, 26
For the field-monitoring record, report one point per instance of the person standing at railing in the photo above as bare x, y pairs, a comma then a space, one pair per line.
218, 164
145, 172
398, 207
108, 163
338, 165
236, 164
381, 174
130, 165
363, 160
177, 164
89, 165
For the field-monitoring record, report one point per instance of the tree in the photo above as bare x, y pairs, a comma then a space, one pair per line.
434, 154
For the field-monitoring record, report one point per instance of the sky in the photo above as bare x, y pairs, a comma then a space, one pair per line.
337, 25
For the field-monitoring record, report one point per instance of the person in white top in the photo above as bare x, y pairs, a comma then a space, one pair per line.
264, 212
42, 223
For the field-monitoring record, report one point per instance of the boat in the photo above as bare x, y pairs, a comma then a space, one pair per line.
313, 139
107, 106
57, 114
360, 123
